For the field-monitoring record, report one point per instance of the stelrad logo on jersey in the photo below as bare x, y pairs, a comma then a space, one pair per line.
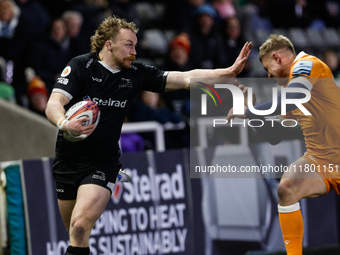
110, 102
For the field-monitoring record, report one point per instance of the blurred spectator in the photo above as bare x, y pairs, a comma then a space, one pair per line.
178, 60
125, 9
178, 55
286, 14
16, 44
181, 14
331, 59
151, 108
206, 43
52, 54
333, 9
93, 12
78, 44
37, 95
297, 13
35, 15
131, 142
224, 8
7, 92
232, 38
73, 21
233, 42
255, 16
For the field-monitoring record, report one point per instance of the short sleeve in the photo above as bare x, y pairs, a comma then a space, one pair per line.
70, 79
154, 80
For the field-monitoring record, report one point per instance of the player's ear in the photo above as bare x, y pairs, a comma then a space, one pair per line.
109, 45
276, 57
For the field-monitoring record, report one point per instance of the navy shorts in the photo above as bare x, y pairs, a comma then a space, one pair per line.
68, 178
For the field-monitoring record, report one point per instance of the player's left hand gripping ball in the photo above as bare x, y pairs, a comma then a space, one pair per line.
79, 110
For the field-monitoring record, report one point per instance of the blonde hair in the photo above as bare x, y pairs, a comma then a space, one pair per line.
15, 8
275, 42
109, 29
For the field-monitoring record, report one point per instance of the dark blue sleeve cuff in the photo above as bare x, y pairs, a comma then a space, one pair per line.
268, 105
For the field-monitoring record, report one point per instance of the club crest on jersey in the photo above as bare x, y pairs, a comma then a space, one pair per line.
66, 71
126, 83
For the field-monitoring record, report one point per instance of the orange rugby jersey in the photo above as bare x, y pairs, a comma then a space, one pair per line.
321, 129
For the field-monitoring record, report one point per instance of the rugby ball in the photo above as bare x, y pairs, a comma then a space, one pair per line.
82, 109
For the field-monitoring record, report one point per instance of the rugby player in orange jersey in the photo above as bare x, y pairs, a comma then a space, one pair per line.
321, 130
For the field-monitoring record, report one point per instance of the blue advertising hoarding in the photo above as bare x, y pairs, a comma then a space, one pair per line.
152, 214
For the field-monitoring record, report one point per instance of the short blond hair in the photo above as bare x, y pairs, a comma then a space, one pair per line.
275, 42
108, 30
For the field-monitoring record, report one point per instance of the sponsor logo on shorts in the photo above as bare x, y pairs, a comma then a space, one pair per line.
100, 176
60, 190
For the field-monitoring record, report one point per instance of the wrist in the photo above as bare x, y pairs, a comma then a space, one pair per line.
61, 123
230, 72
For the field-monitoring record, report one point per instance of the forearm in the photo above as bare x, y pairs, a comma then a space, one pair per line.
181, 80
211, 73
55, 110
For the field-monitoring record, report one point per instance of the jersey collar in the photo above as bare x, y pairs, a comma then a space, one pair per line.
300, 55
109, 68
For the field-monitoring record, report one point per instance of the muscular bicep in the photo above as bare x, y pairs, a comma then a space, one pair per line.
177, 80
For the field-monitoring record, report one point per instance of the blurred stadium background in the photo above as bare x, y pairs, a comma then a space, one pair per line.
180, 215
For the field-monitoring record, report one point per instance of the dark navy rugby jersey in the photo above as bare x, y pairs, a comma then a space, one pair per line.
86, 77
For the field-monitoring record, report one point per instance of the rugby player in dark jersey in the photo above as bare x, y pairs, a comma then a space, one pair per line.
85, 172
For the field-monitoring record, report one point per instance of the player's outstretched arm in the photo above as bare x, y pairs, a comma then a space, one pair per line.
181, 80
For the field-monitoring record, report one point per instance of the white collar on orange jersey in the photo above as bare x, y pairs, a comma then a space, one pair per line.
300, 55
